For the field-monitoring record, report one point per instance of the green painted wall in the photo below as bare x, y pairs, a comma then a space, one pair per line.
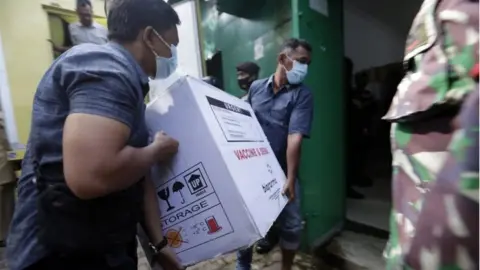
235, 37
322, 169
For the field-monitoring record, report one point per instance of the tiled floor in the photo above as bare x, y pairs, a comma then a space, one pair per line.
374, 210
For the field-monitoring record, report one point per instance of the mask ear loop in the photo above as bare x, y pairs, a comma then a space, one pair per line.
293, 61
163, 40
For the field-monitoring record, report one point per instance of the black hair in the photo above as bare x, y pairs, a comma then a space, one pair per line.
249, 67
126, 18
294, 43
84, 3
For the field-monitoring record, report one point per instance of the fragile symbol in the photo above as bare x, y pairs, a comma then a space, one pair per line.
212, 225
174, 238
164, 194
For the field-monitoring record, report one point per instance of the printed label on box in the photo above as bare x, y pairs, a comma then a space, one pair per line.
192, 214
237, 124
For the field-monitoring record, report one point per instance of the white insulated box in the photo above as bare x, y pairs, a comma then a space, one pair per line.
222, 191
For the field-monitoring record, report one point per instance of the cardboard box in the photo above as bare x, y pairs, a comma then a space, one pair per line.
223, 189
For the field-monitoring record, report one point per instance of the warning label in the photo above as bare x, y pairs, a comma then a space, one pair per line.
237, 124
192, 214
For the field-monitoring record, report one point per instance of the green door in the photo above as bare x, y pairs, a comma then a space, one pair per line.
322, 172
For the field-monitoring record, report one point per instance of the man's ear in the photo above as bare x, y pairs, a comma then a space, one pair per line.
147, 37
280, 58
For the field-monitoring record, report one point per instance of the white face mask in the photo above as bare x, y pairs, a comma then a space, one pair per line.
165, 66
298, 72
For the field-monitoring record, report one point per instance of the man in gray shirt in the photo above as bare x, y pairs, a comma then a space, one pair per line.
86, 30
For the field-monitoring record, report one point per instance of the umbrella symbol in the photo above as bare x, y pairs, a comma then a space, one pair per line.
177, 187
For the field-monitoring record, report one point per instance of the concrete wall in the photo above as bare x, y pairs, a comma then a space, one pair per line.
375, 30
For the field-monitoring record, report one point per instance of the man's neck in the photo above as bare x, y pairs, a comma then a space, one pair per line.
88, 25
278, 82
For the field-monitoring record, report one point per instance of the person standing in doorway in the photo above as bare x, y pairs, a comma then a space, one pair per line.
247, 73
85, 181
85, 30
441, 52
355, 134
284, 108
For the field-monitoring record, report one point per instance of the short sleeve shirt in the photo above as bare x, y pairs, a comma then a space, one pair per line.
102, 80
289, 111
96, 33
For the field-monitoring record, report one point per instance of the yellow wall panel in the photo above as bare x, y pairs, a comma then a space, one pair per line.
24, 29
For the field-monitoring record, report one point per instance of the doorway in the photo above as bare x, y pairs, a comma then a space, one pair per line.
215, 69
374, 38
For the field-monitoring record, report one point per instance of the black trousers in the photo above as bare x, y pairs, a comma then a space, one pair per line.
123, 259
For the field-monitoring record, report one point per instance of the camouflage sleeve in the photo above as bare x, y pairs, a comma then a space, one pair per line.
447, 229
440, 55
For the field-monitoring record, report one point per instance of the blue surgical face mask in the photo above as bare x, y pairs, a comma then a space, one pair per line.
298, 72
165, 66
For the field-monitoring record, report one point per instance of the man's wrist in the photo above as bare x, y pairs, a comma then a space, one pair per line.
291, 179
152, 153
157, 247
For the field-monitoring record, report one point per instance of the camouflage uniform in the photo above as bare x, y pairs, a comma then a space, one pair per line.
441, 50
447, 229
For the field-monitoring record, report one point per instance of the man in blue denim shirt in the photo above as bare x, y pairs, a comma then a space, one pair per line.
88, 126
284, 108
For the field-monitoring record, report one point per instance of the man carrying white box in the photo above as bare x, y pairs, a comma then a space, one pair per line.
283, 106
84, 185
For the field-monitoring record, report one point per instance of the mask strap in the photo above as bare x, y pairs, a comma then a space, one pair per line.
293, 61
161, 38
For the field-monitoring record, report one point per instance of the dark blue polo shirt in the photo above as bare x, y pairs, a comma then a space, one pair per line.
289, 111
103, 80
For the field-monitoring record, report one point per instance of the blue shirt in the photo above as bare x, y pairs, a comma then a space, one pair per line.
289, 111
103, 80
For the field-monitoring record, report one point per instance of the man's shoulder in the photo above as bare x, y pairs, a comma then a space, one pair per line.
99, 26
258, 84
262, 81
95, 61
102, 29
74, 25
303, 92
304, 89
89, 56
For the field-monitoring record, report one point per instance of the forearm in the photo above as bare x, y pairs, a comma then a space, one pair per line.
293, 160
153, 224
128, 167
117, 172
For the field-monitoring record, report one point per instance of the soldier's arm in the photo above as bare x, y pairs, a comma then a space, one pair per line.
447, 229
